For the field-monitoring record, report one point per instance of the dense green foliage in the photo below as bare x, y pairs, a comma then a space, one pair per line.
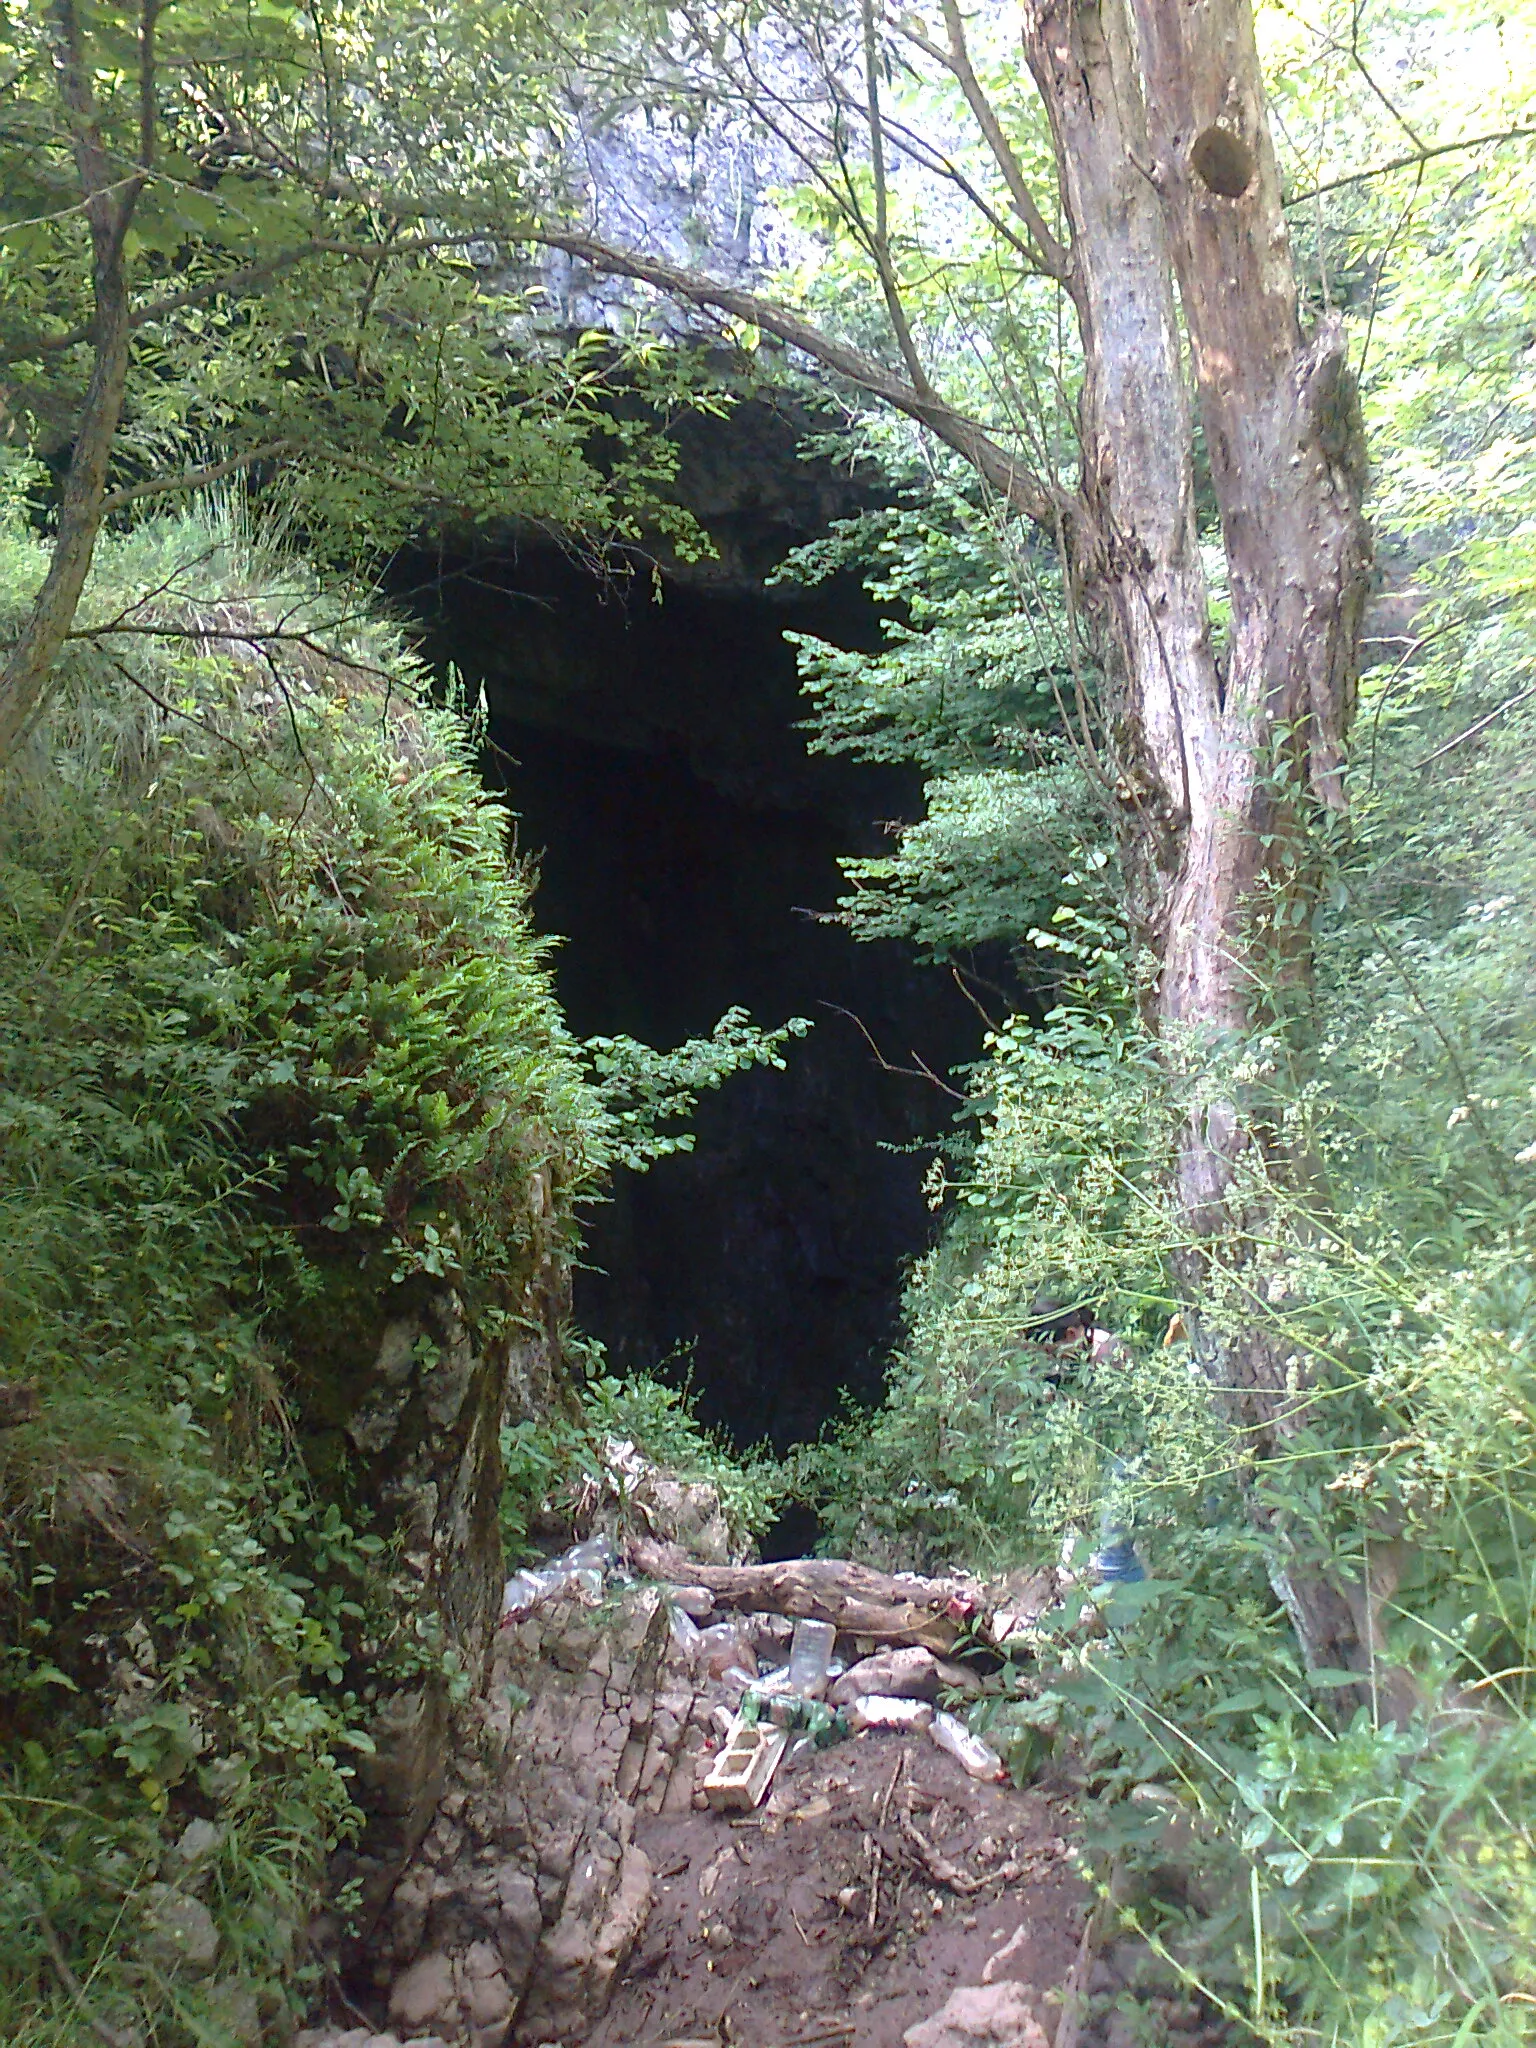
277, 1036
273, 1011
1364, 1862
288, 317
552, 1462
975, 685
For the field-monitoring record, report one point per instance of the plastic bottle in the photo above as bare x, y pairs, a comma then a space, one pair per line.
520, 1595
581, 1570
596, 1554
685, 1631
968, 1750
906, 1717
810, 1655
723, 1648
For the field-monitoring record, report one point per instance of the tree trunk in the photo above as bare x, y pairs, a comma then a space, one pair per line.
30, 663
109, 204
1168, 177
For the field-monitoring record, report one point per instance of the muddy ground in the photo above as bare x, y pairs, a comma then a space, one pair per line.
876, 1879
574, 1887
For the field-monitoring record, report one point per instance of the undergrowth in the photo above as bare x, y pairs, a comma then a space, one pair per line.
1358, 1862
279, 1058
273, 1010
550, 1461
1335, 1857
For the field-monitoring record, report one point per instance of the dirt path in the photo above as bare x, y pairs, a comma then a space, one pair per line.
828, 1918
573, 1886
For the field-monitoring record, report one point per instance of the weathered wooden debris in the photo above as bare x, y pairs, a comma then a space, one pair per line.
852, 1597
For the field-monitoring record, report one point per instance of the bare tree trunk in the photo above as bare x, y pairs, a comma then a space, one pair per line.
1168, 176
109, 204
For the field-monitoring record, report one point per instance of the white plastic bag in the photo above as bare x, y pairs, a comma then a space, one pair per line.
906, 1717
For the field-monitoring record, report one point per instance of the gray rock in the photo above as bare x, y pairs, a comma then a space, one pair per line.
362, 2037
179, 1930
983, 2016
198, 1840
425, 1992
524, 1906
238, 2011
686, 1512
485, 1992
905, 1674
519, 1922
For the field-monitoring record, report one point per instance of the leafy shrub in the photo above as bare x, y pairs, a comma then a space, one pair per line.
277, 1045
273, 1016
1362, 1868
547, 1461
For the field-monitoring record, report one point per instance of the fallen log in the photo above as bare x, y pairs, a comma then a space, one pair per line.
855, 1599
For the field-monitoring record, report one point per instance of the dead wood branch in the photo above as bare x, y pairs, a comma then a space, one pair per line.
938, 1867
1074, 1996
851, 1596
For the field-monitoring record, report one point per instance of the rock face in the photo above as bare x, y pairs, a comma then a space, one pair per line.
695, 186
528, 1892
401, 1404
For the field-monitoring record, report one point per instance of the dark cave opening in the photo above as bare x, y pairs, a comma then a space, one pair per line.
686, 840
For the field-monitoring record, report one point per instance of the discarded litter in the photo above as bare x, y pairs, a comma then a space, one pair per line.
869, 1710
740, 1775
736, 1683
521, 1594
810, 1654
968, 1750
581, 1570
725, 1647
697, 1602
790, 1711
685, 1631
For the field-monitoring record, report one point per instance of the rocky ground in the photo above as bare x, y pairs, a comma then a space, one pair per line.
574, 1888
877, 1879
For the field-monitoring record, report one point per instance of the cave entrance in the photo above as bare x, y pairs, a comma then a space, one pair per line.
686, 842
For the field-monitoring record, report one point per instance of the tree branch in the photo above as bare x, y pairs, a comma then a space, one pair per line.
880, 240
1478, 725
149, 12
920, 1072
108, 211
192, 479
235, 282
1404, 163
1003, 471
1047, 251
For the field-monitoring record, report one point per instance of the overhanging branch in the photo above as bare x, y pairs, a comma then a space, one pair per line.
235, 283
1408, 162
1003, 471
